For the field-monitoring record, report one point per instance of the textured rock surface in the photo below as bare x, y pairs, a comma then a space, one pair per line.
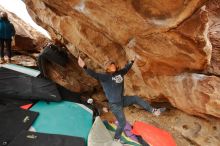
172, 46
24, 60
72, 76
214, 34
27, 39
190, 92
187, 130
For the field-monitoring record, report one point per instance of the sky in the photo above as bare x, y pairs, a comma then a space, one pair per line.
19, 8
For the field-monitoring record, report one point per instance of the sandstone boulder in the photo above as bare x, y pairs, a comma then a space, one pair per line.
172, 46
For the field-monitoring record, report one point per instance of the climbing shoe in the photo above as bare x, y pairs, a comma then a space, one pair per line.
158, 111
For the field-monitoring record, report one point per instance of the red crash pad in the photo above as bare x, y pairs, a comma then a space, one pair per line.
27, 106
153, 135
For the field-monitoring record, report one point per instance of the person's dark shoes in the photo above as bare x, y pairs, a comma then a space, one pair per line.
158, 111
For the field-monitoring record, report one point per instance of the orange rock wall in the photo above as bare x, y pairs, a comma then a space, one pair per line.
173, 47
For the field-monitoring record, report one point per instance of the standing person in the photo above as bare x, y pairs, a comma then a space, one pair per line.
7, 31
113, 84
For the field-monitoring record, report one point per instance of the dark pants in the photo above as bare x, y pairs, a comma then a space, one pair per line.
117, 110
7, 43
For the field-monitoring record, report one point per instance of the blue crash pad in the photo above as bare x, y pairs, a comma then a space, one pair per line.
66, 118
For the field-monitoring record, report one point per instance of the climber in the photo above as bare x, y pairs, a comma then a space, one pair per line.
113, 84
54, 52
7, 31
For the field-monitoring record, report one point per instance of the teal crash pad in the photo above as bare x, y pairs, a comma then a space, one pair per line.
65, 118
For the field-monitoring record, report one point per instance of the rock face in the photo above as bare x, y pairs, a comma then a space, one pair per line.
173, 48
187, 130
214, 35
27, 39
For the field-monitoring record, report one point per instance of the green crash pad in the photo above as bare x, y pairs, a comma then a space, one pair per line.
65, 118
112, 128
22, 69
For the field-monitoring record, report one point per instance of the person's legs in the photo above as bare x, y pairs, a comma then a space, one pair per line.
8, 47
2, 50
129, 100
117, 110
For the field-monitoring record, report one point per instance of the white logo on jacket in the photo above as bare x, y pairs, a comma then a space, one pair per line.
118, 79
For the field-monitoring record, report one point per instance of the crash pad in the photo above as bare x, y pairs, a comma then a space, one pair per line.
153, 135
16, 85
27, 138
127, 131
27, 106
67, 118
13, 121
22, 69
100, 136
112, 128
